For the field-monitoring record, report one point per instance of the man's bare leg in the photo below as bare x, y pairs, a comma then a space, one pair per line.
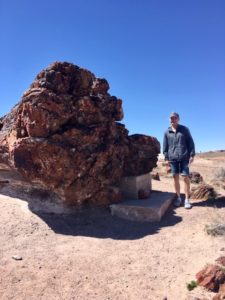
187, 187
177, 184
187, 192
177, 189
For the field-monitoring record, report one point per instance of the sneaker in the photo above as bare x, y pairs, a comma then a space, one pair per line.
187, 204
177, 202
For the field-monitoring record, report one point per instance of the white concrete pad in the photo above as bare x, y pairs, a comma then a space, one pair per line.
130, 185
144, 210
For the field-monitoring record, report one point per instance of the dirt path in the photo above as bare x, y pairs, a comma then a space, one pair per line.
92, 255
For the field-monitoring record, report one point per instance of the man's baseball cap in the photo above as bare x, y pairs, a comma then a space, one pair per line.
174, 114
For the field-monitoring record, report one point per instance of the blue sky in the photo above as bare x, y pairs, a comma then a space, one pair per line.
157, 55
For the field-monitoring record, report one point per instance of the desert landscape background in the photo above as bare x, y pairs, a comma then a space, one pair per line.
91, 255
87, 91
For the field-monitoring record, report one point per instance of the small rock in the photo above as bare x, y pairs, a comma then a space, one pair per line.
195, 177
17, 257
211, 277
221, 260
155, 175
144, 194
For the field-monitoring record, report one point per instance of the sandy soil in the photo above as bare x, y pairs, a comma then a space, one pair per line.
92, 255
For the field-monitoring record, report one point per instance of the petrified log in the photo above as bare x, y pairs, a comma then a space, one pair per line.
211, 277
203, 191
64, 134
195, 177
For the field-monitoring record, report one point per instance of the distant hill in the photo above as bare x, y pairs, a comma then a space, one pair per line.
211, 154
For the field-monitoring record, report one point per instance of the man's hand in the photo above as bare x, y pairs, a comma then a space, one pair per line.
168, 167
191, 160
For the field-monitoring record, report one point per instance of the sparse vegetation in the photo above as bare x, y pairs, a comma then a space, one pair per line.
215, 229
217, 225
220, 174
191, 285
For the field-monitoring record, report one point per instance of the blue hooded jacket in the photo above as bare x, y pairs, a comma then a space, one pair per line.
179, 145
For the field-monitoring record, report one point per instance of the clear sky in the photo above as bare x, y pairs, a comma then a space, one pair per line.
157, 55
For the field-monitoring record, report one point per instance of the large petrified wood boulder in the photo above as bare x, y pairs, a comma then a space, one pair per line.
64, 135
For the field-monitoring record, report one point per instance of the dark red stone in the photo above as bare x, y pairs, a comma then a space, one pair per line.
211, 277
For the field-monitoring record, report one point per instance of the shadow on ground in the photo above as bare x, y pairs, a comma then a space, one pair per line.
217, 203
91, 222
99, 223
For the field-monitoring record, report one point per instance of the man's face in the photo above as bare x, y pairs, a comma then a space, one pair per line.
174, 121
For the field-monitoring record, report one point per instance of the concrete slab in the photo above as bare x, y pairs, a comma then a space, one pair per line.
129, 186
144, 210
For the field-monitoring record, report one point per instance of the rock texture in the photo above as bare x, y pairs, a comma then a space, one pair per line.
211, 277
221, 294
203, 192
195, 177
64, 135
155, 176
221, 261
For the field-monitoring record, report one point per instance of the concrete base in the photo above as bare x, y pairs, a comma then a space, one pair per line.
129, 186
146, 210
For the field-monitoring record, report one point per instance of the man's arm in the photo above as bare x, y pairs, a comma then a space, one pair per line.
165, 147
190, 145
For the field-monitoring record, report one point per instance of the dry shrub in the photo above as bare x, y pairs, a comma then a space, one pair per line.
215, 229
203, 191
220, 174
217, 224
219, 178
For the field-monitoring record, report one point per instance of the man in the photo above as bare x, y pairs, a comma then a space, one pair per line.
179, 151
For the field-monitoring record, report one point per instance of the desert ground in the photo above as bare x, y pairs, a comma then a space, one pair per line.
89, 254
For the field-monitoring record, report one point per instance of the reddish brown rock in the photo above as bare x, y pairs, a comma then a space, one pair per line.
141, 157
221, 293
221, 261
64, 135
203, 192
211, 277
195, 177
155, 176
144, 194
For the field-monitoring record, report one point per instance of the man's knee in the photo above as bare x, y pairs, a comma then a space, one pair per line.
186, 179
176, 177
